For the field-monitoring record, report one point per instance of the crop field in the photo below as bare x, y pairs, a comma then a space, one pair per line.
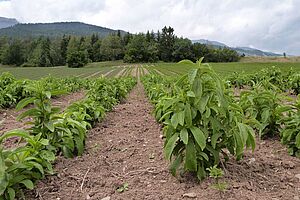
171, 69
162, 131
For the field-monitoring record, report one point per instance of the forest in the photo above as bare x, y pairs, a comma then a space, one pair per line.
77, 51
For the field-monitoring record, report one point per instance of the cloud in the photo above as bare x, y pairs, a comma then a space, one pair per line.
268, 25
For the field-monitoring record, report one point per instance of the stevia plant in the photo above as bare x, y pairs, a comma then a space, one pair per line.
201, 122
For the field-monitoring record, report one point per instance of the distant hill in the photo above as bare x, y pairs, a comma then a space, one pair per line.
55, 30
7, 22
209, 42
254, 52
241, 50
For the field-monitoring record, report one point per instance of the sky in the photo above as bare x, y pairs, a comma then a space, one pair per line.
272, 25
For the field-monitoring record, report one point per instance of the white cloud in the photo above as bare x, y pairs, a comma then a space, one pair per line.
269, 25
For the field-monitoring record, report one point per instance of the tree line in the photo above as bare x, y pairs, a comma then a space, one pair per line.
77, 51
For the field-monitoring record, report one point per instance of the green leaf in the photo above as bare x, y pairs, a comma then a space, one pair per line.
67, 152
190, 157
15, 133
265, 115
79, 145
48, 94
24, 102
203, 103
191, 94
214, 139
164, 116
50, 126
3, 178
38, 166
11, 193
192, 75
199, 137
188, 115
174, 120
197, 88
28, 184
181, 118
47, 155
58, 92
170, 146
243, 133
251, 138
184, 136
204, 155
44, 142
28, 113
297, 141
175, 164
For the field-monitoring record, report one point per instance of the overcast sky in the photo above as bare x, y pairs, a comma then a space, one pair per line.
272, 25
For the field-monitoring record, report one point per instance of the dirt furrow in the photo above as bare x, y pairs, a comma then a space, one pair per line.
108, 73
120, 73
127, 149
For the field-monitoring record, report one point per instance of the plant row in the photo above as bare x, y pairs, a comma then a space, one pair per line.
202, 124
203, 121
53, 132
272, 78
12, 90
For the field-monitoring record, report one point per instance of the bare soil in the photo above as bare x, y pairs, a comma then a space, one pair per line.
127, 148
8, 116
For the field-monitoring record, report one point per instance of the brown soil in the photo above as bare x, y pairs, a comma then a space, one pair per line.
127, 148
146, 72
134, 71
108, 73
8, 116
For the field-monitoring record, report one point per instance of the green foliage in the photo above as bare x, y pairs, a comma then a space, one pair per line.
265, 108
294, 83
76, 56
122, 188
166, 43
22, 166
182, 49
290, 134
12, 90
77, 50
52, 132
216, 173
111, 48
13, 53
141, 50
200, 120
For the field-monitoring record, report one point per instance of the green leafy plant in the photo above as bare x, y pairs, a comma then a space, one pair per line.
200, 120
264, 108
217, 173
122, 188
22, 166
290, 133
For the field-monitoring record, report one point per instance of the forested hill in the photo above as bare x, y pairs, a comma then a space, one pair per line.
55, 30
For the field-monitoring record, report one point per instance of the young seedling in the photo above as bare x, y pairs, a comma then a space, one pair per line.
217, 173
122, 188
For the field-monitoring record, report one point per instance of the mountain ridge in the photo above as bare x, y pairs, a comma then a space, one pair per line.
55, 29
7, 22
247, 51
